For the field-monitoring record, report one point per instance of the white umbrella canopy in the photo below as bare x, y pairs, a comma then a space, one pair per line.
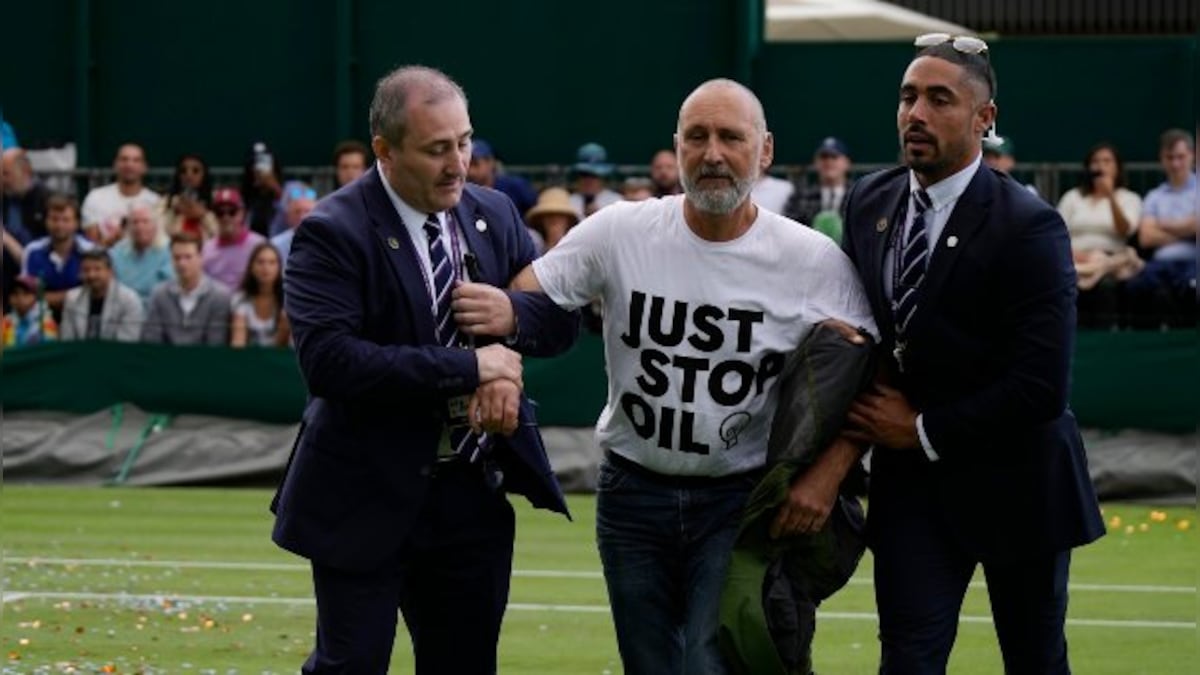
849, 20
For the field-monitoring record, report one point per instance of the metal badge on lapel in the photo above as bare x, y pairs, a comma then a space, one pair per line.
952, 241
393, 243
881, 224
480, 225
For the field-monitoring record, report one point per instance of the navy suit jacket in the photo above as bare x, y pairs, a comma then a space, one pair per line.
987, 362
377, 379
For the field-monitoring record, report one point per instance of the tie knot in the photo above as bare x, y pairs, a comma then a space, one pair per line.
922, 200
433, 228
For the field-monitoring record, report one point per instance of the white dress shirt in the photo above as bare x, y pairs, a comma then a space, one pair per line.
414, 222
943, 195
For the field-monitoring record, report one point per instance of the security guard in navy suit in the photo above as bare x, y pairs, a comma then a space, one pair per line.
977, 457
396, 491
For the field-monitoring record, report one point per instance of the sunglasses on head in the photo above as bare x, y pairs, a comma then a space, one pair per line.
965, 44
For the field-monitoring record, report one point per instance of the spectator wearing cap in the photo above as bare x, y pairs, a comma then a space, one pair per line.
191, 309
589, 172
105, 207
298, 204
29, 321
485, 170
55, 258
142, 260
552, 216
664, 171
831, 161
350, 160
186, 206
23, 205
999, 154
102, 308
225, 257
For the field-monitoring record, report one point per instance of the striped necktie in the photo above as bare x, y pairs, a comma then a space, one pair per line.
443, 283
462, 441
912, 260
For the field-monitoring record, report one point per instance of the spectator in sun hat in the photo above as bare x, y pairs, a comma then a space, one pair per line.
552, 216
589, 172
226, 255
485, 170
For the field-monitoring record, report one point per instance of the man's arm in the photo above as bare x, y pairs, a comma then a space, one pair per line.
813, 492
325, 303
129, 322
67, 330
532, 323
1157, 232
152, 329
542, 328
216, 330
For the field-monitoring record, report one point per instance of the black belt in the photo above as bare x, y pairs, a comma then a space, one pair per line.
680, 481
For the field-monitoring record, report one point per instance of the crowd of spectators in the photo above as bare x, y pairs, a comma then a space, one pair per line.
203, 263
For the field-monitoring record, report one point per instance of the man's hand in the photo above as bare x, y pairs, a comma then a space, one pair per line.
848, 332
498, 362
813, 492
883, 417
482, 309
494, 407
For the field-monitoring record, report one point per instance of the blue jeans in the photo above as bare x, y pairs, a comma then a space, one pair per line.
665, 550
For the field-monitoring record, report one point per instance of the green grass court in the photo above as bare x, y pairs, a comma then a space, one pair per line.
187, 581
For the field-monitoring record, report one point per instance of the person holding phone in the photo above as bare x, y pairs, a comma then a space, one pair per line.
1101, 217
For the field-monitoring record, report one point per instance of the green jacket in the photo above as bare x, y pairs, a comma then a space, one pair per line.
768, 605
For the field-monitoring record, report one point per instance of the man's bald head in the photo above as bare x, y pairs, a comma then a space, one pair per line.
18, 172
724, 91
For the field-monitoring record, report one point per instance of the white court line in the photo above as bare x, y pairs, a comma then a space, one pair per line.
547, 574
527, 607
6, 598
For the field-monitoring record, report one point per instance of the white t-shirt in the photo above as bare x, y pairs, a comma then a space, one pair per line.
696, 332
106, 206
1090, 221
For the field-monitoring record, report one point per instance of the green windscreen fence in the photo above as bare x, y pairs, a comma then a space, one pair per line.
1123, 380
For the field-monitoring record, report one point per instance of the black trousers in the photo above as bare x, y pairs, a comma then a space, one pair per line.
921, 576
450, 580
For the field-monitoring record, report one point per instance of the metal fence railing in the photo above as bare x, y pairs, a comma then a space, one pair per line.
1052, 179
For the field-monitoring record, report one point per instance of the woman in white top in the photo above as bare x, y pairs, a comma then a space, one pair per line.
258, 317
1101, 216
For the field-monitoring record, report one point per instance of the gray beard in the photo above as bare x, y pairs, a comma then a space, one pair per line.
720, 201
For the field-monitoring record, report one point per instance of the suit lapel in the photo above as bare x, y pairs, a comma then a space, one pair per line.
393, 237
883, 226
470, 220
964, 223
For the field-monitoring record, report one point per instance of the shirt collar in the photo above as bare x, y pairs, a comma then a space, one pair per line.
949, 189
413, 219
1188, 185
